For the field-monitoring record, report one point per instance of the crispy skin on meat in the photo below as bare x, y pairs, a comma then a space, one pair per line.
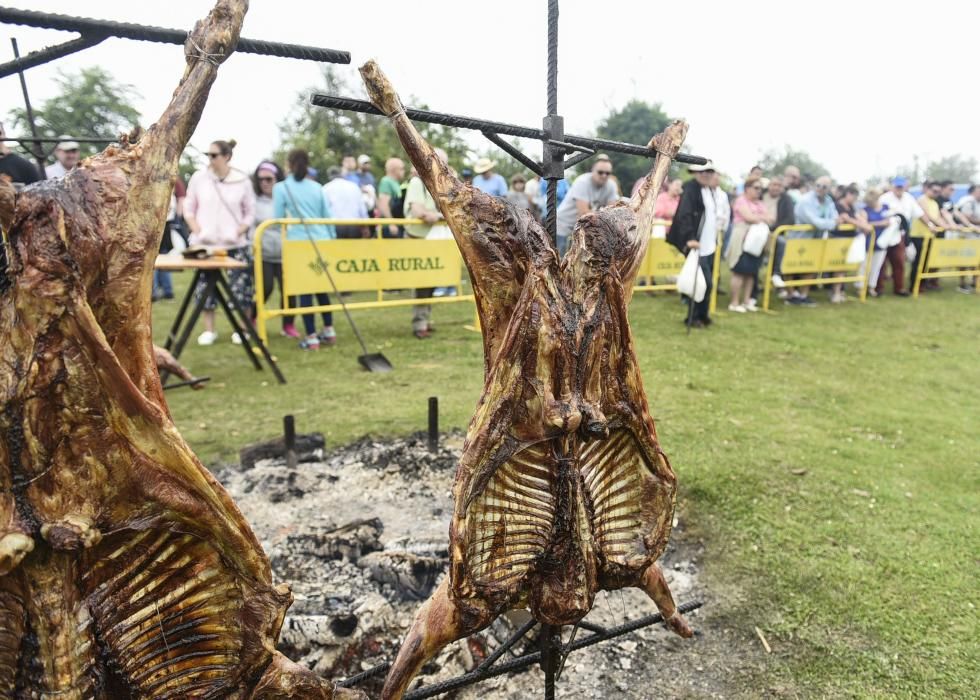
562, 489
126, 571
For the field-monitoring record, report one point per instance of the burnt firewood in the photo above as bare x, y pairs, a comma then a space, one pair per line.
309, 448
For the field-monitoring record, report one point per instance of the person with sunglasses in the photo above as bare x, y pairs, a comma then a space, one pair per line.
588, 192
219, 211
817, 209
748, 210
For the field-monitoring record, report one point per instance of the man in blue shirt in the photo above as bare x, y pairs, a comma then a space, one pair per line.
816, 208
487, 180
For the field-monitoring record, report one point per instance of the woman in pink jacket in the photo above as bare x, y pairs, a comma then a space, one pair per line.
219, 210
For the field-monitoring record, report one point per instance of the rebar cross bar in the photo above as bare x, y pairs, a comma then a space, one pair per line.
93, 31
556, 144
491, 669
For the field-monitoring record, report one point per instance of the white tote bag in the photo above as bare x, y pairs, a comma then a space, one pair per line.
755, 239
892, 234
858, 250
691, 281
659, 231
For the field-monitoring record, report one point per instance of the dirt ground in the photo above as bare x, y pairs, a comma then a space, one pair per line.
360, 534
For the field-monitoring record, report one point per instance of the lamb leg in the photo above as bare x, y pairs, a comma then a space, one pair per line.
438, 622
655, 586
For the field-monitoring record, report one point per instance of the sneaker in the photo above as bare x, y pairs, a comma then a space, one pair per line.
783, 294
752, 305
903, 293
807, 301
328, 336
311, 343
207, 338
962, 289
777, 281
737, 308
289, 330
836, 298
237, 339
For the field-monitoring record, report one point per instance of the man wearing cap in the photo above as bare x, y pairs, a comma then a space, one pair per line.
695, 227
487, 180
589, 192
66, 158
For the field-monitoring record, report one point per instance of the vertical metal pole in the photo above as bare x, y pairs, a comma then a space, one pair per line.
36, 151
550, 642
289, 438
553, 155
433, 423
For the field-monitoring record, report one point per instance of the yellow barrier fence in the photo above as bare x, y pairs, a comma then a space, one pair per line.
357, 265
663, 261
810, 258
948, 257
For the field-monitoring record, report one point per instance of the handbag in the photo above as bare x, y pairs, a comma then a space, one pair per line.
891, 235
691, 281
858, 250
755, 239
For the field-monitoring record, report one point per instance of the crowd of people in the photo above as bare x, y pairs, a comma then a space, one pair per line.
221, 207
704, 213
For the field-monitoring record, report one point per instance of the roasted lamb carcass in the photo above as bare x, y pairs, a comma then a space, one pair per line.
562, 489
126, 571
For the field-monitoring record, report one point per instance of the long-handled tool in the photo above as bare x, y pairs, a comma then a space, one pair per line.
371, 361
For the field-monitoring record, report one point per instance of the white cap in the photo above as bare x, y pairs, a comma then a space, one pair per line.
66, 144
363, 158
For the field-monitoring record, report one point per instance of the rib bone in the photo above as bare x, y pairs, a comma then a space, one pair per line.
562, 489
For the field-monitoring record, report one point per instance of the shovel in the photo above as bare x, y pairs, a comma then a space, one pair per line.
372, 362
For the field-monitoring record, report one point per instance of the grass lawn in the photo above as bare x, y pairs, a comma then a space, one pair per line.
829, 458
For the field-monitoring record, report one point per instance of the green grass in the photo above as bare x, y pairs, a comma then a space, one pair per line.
828, 457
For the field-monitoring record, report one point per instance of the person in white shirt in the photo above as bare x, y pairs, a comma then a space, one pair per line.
66, 157
345, 202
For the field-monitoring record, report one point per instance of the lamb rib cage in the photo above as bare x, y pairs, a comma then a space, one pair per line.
562, 489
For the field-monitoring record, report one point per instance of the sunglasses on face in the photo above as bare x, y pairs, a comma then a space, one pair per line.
603, 172
212, 156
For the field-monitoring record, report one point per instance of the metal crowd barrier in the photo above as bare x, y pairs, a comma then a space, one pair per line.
814, 257
358, 264
948, 257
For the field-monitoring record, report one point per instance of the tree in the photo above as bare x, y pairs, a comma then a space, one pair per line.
634, 123
329, 134
774, 161
955, 167
88, 104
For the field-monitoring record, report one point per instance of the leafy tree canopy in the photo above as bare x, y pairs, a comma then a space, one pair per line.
635, 123
88, 104
774, 161
330, 134
955, 167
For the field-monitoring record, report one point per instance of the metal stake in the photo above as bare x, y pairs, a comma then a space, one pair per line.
289, 439
36, 150
433, 424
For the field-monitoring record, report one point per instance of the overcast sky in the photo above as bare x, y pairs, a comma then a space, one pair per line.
862, 86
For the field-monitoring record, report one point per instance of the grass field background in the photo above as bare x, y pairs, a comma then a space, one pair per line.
829, 458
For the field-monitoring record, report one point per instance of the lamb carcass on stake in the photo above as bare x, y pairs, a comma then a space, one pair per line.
126, 571
562, 489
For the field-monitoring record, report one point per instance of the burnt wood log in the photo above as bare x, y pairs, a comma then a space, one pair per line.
309, 448
562, 489
126, 571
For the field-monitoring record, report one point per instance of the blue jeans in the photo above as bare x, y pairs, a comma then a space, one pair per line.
309, 320
162, 284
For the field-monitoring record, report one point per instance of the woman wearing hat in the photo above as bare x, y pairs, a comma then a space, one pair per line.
487, 180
